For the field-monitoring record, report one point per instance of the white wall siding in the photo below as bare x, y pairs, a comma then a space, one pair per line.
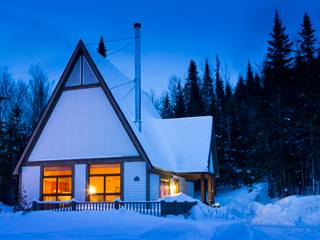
30, 183
83, 125
185, 186
134, 190
80, 182
154, 187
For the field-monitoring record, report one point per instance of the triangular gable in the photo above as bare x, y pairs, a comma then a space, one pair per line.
92, 74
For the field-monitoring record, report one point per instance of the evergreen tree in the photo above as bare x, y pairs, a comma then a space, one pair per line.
101, 48
308, 94
192, 95
220, 95
279, 88
207, 88
15, 141
179, 107
166, 110
307, 41
249, 85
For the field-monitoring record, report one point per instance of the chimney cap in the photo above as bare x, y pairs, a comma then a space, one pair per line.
137, 25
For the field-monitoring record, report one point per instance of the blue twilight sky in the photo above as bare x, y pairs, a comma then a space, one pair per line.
172, 33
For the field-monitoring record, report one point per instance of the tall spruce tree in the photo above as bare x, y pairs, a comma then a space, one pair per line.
179, 107
192, 95
307, 41
308, 94
280, 86
102, 48
166, 109
220, 95
207, 88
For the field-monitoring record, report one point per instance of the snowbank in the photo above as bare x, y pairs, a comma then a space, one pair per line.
293, 210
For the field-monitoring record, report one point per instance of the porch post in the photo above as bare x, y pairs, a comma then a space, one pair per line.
211, 189
203, 189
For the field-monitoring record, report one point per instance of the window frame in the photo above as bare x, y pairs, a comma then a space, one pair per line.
104, 194
43, 177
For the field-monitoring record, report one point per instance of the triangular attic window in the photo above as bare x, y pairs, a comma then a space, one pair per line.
75, 78
88, 75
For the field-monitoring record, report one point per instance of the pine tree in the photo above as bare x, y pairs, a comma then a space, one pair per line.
207, 88
192, 95
220, 95
279, 89
307, 41
308, 92
166, 109
101, 48
179, 107
249, 85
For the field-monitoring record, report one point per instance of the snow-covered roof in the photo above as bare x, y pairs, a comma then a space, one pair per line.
179, 145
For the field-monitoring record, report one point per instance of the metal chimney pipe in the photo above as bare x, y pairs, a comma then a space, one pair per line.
137, 79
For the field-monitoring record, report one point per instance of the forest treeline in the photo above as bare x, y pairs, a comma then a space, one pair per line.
21, 107
267, 127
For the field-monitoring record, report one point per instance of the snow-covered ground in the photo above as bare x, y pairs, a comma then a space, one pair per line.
244, 214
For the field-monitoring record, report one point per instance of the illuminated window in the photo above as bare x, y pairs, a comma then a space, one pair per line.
104, 182
164, 188
57, 183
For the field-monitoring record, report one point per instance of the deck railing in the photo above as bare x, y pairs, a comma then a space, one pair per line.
158, 208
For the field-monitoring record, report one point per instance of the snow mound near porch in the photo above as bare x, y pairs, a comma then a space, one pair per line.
180, 197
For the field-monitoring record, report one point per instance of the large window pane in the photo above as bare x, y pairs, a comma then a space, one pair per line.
49, 198
64, 185
96, 198
113, 184
57, 171
96, 185
64, 198
110, 198
105, 169
49, 185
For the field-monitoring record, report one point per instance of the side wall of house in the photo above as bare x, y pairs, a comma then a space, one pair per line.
185, 186
134, 190
30, 183
80, 182
154, 187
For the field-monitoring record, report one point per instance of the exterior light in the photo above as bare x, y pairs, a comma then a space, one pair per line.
92, 190
173, 190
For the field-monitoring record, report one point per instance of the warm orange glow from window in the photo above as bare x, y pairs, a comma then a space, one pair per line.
97, 184
57, 171
57, 183
105, 169
113, 184
105, 182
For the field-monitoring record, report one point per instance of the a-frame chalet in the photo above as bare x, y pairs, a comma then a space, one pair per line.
86, 145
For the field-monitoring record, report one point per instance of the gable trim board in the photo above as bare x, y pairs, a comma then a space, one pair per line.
80, 50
